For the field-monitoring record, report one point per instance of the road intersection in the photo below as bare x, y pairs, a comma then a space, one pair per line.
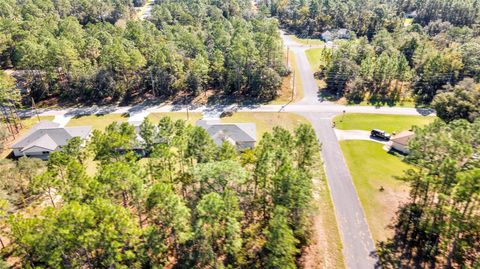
358, 245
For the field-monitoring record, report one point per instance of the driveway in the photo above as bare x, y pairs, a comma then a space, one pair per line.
357, 135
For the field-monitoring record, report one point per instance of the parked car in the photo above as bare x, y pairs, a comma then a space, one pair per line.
380, 134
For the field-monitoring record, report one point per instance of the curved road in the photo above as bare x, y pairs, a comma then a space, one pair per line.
358, 246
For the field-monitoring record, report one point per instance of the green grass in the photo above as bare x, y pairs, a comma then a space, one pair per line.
314, 57
192, 117
372, 167
389, 123
97, 121
307, 41
265, 121
27, 123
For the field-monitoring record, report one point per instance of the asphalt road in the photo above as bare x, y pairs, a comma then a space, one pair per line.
358, 245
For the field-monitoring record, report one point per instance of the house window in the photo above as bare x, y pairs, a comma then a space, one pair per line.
46, 152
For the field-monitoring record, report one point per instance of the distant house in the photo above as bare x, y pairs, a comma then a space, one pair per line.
411, 14
240, 135
400, 142
329, 36
46, 137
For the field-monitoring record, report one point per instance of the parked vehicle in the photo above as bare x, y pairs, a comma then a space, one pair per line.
380, 134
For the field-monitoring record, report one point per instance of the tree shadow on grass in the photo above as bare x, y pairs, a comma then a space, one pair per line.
408, 248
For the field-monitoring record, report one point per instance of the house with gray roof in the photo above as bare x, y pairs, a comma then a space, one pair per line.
240, 135
46, 137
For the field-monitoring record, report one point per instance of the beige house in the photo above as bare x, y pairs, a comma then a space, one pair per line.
400, 142
240, 135
46, 137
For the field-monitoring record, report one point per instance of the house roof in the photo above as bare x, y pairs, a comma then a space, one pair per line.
237, 132
49, 135
403, 138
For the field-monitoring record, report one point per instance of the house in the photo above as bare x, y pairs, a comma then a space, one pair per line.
400, 142
332, 35
46, 137
240, 135
327, 36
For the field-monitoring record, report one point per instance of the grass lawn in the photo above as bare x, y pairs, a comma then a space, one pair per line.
285, 94
389, 123
265, 121
192, 117
314, 57
29, 122
97, 121
372, 167
307, 41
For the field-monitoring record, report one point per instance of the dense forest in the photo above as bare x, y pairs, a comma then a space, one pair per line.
97, 51
190, 204
390, 58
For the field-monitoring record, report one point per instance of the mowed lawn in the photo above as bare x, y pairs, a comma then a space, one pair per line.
389, 123
97, 121
192, 117
265, 121
371, 168
314, 57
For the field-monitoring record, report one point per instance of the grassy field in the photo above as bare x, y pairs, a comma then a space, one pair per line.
265, 121
372, 167
285, 94
97, 121
389, 123
314, 57
192, 117
307, 41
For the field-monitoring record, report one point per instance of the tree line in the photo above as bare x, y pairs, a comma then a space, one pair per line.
190, 204
389, 61
95, 51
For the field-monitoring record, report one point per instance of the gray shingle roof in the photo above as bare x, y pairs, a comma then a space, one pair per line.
239, 132
49, 135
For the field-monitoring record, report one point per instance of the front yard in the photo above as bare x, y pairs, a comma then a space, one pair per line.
265, 121
97, 121
192, 118
389, 123
371, 168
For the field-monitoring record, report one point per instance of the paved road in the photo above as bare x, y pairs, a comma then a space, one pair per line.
357, 241
358, 244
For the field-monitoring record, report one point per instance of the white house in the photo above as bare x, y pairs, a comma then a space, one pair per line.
240, 135
400, 142
46, 137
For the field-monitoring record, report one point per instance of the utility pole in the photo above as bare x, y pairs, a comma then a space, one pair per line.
293, 88
288, 54
35, 108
